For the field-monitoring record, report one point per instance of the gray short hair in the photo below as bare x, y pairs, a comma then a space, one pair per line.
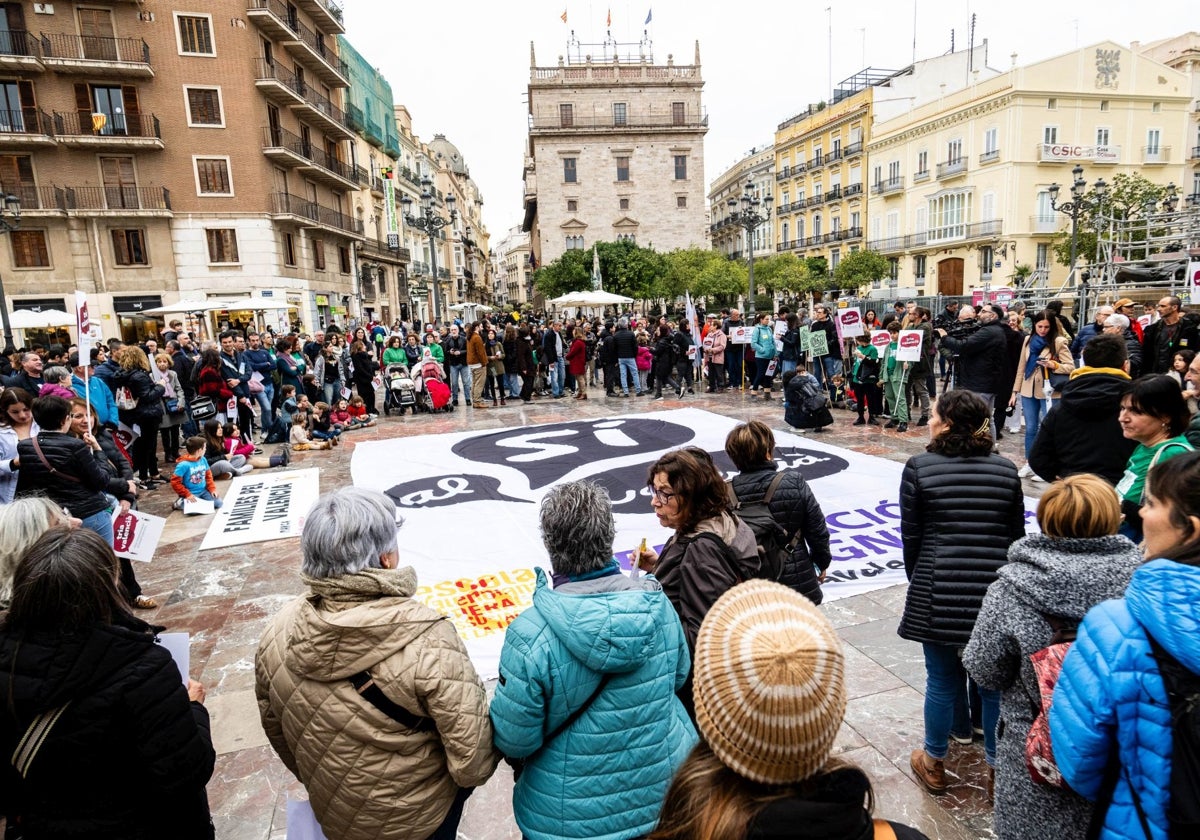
623, 323
347, 531
1117, 320
56, 373
577, 527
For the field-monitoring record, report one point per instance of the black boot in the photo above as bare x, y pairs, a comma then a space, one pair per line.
861, 421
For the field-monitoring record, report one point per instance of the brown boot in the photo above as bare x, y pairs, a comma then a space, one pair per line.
930, 772
583, 396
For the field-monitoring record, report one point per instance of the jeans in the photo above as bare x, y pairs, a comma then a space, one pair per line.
1034, 410
556, 372
825, 368
787, 364
448, 830
266, 397
101, 523
735, 358
629, 375
946, 706
512, 384
460, 373
332, 391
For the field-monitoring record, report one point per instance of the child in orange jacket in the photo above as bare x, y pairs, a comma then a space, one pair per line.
192, 478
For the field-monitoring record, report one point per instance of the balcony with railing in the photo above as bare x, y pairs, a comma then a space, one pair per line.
372, 132
85, 130
326, 15
853, 150
814, 200
38, 200
24, 128
851, 233
952, 168
853, 190
963, 232
96, 55
1045, 223
922, 175
311, 214
118, 201
288, 149
1195, 154
1156, 154
834, 194
314, 104
888, 186
20, 51
834, 155
280, 20
278, 83
816, 161
990, 156
636, 119
783, 174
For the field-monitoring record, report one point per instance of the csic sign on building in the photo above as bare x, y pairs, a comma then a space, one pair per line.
1095, 154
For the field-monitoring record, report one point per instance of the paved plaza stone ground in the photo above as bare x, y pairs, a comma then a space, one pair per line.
225, 598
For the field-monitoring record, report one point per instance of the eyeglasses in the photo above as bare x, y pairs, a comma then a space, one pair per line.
663, 496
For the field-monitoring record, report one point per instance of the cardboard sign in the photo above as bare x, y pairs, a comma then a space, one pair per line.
740, 335
880, 338
818, 344
851, 322
804, 332
179, 646
136, 535
261, 506
909, 349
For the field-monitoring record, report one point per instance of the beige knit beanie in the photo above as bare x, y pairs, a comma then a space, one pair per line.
768, 683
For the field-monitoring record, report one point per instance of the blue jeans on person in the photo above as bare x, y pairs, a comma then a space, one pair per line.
1034, 410
512, 381
555, 371
265, 398
946, 707
101, 523
460, 373
330, 435
735, 359
785, 365
629, 369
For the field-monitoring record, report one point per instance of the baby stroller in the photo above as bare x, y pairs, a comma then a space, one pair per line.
400, 391
432, 390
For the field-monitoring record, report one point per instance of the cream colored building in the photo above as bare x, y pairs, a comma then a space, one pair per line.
616, 152
512, 270
1182, 53
729, 238
959, 186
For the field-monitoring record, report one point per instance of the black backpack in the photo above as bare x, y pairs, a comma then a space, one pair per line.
774, 547
1183, 694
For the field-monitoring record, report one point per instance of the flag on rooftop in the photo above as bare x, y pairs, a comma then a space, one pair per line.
649, 15
564, 16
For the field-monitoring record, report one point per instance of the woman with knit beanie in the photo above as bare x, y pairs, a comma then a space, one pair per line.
770, 695
1051, 580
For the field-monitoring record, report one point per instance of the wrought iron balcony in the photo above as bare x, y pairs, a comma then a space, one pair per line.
25, 127
1048, 223
814, 200
814, 162
278, 83
952, 168
287, 148
326, 14
853, 150
280, 20
312, 214
20, 51
119, 201
853, 190
887, 186
1195, 153
95, 55
317, 105
35, 199
783, 174
82, 129
989, 157
834, 194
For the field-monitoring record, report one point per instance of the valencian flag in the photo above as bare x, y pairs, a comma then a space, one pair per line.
597, 280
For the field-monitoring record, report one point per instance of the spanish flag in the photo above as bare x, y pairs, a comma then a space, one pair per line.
564, 15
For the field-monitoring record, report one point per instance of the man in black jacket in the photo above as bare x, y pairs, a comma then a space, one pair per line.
735, 354
625, 343
1081, 434
237, 377
1174, 330
29, 377
981, 356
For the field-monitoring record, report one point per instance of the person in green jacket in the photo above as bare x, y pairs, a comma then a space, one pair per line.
394, 353
864, 378
894, 376
435, 348
763, 342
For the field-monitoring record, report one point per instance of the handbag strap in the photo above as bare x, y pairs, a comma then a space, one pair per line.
574, 716
35, 735
42, 457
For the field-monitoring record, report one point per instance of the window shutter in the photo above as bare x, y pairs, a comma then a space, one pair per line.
83, 104
133, 112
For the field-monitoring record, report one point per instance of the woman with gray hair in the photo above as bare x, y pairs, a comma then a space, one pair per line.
586, 703
357, 674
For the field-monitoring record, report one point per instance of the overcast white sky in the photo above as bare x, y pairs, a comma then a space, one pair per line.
462, 67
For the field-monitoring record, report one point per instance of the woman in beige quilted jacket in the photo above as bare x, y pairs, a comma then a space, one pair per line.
367, 695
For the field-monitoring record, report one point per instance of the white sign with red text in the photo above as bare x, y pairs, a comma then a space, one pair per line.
851, 323
909, 349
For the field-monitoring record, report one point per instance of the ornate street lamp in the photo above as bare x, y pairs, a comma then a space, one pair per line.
753, 213
1077, 206
430, 223
10, 220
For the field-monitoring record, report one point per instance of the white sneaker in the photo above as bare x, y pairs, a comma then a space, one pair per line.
1025, 471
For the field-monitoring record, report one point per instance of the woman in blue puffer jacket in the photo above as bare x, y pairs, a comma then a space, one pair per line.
1110, 694
763, 342
605, 643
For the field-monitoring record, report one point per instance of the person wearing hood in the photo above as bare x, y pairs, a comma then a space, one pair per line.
125, 750
1111, 710
588, 682
1051, 578
1083, 434
367, 695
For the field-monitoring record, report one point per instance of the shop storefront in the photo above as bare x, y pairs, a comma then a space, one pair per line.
133, 327
44, 336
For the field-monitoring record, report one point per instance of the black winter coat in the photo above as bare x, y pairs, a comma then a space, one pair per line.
832, 810
626, 343
1159, 345
138, 750
116, 465
981, 359
1081, 434
148, 395
664, 351
958, 516
68, 455
797, 511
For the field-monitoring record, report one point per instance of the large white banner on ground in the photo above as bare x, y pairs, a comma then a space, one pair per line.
263, 506
470, 505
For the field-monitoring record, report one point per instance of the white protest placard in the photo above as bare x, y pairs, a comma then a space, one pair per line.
880, 339
851, 323
1194, 274
910, 346
83, 325
740, 335
263, 506
179, 646
196, 506
136, 535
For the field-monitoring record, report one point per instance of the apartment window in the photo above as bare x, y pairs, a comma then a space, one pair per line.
919, 265
1156, 107
204, 107
566, 115
343, 259
318, 250
289, 249
1102, 135
622, 169
574, 243
878, 174
1153, 141
29, 249
1050, 134
1052, 104
212, 176
1042, 261
922, 162
623, 204
570, 175
129, 247
678, 113
948, 216
837, 148
894, 269
894, 171
835, 257
195, 34
817, 224
855, 220
680, 167
1103, 104
987, 207
572, 205
954, 151
991, 140
783, 233
986, 257
620, 113
800, 229
222, 245
681, 201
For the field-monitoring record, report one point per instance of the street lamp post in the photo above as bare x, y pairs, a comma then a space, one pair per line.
10, 220
1078, 205
429, 223
753, 213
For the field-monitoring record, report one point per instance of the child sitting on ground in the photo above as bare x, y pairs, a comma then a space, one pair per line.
234, 444
300, 440
322, 427
282, 427
192, 478
358, 412
807, 402
312, 388
339, 415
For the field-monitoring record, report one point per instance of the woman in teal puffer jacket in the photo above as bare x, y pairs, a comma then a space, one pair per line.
609, 645
763, 342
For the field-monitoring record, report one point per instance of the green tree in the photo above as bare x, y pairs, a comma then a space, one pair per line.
1127, 200
626, 269
568, 273
782, 273
701, 271
859, 268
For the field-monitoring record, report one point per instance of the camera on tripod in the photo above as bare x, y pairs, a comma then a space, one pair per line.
960, 330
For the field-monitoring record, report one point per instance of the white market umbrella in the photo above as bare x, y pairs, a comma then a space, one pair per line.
258, 304
588, 298
187, 305
28, 319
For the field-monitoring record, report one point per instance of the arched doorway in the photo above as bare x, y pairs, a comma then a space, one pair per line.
950, 276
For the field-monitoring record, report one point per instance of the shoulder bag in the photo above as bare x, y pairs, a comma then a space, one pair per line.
518, 764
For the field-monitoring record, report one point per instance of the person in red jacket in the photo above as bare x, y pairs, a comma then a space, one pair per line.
577, 363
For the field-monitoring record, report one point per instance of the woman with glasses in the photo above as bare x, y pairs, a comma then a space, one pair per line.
711, 550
